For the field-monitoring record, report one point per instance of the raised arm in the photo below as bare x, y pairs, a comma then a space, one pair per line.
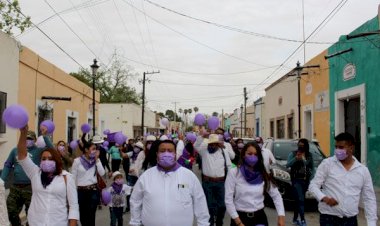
21, 146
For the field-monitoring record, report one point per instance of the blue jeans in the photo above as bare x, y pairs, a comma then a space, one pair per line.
299, 191
214, 192
88, 201
330, 220
116, 214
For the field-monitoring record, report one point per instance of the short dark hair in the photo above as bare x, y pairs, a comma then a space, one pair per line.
165, 142
345, 137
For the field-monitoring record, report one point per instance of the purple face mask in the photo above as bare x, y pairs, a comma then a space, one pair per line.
341, 154
47, 166
148, 146
61, 148
29, 143
166, 159
251, 160
240, 145
92, 154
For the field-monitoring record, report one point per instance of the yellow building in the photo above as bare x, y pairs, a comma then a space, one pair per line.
40, 85
315, 111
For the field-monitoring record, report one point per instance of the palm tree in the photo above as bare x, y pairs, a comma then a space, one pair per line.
196, 109
190, 111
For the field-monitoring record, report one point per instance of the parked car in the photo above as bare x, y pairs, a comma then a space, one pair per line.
245, 139
281, 149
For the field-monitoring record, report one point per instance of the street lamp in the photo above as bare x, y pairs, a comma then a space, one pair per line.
241, 120
94, 68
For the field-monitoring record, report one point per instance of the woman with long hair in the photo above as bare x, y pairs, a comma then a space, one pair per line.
66, 156
84, 170
301, 166
246, 186
54, 199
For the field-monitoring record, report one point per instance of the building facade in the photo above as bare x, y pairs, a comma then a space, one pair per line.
315, 110
354, 105
280, 108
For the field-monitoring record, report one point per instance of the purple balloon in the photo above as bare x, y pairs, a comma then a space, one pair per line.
227, 135
106, 143
106, 132
49, 126
165, 121
85, 128
15, 116
213, 123
199, 119
74, 144
120, 138
105, 148
106, 197
191, 137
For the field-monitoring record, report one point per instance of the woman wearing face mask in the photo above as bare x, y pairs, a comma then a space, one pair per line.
84, 171
245, 186
238, 146
301, 166
137, 158
53, 188
67, 160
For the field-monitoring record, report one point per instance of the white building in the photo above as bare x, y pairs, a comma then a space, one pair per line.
258, 105
9, 89
126, 117
280, 108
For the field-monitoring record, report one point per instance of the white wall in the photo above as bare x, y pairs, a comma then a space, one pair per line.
122, 117
9, 76
287, 90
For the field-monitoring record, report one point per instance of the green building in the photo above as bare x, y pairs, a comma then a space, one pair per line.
354, 67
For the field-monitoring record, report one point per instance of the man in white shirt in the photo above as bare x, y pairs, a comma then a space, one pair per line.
227, 145
344, 180
215, 163
168, 194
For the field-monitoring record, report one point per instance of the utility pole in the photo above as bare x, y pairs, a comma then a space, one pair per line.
241, 120
223, 118
245, 111
299, 69
143, 99
175, 111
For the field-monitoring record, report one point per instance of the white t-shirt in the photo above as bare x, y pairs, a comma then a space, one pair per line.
118, 199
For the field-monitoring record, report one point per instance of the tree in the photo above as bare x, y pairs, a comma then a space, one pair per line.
170, 115
196, 109
215, 114
111, 82
190, 111
11, 17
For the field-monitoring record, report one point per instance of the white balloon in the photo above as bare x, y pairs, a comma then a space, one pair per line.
40, 143
165, 121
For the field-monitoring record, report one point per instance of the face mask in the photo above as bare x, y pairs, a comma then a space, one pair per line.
119, 181
29, 143
136, 150
166, 159
240, 145
148, 146
341, 154
47, 166
251, 160
61, 148
92, 154
212, 149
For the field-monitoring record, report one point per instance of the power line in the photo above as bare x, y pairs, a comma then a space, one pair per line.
193, 40
149, 35
46, 35
232, 28
207, 85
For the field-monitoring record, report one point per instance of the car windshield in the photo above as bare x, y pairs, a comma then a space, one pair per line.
281, 151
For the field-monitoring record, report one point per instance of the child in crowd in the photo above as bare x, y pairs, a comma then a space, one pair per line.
118, 191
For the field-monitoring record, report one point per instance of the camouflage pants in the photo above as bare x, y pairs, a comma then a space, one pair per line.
17, 198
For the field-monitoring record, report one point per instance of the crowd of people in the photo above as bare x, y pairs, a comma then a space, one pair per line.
59, 185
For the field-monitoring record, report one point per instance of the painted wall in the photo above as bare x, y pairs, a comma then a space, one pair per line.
281, 103
9, 58
124, 117
250, 121
258, 113
365, 57
38, 78
315, 101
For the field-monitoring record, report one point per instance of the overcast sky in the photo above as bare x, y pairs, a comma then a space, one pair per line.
200, 64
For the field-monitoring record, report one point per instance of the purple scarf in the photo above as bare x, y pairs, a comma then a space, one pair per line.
86, 163
176, 166
117, 187
252, 177
134, 156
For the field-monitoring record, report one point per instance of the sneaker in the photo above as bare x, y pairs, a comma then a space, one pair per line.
303, 223
296, 222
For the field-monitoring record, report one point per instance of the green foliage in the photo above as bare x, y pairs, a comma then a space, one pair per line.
112, 82
11, 17
170, 115
215, 114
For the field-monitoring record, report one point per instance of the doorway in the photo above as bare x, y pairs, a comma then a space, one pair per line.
352, 122
308, 127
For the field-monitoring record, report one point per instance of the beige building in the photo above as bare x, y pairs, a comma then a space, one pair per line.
279, 113
126, 117
36, 84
